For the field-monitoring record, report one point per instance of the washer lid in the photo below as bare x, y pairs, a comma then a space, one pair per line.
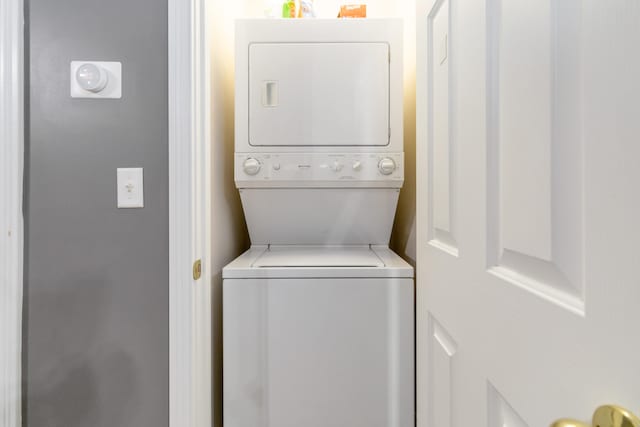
246, 265
314, 256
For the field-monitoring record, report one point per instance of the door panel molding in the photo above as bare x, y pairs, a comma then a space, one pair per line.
440, 143
534, 177
500, 412
441, 354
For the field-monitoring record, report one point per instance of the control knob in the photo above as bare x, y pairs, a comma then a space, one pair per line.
251, 166
386, 166
336, 166
357, 165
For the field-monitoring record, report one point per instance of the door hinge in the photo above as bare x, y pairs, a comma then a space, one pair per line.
197, 269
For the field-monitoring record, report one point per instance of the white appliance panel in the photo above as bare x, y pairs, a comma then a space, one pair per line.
318, 352
319, 216
286, 170
319, 94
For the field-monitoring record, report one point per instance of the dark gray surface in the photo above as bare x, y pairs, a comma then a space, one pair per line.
96, 300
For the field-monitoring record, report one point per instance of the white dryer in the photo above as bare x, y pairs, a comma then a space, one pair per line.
318, 314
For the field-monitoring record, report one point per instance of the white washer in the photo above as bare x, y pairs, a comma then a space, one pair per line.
318, 314
317, 337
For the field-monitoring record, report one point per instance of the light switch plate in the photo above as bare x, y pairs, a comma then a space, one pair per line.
130, 188
114, 83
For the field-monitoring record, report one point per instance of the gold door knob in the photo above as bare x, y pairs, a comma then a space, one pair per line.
605, 416
569, 423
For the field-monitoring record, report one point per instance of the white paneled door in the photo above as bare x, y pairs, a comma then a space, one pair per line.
528, 294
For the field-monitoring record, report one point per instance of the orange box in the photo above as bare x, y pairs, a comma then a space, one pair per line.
353, 11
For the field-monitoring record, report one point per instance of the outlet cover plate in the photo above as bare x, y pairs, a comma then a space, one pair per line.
130, 188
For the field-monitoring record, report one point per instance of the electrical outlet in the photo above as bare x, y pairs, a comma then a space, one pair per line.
130, 188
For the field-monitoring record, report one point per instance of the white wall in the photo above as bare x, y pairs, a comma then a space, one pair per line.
229, 231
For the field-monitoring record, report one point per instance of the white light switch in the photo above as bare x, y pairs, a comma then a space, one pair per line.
130, 188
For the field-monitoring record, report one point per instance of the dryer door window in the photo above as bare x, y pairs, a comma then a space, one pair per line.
319, 94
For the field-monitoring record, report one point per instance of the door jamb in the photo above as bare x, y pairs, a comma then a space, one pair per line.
11, 218
190, 308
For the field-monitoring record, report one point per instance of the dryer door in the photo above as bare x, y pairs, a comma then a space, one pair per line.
319, 94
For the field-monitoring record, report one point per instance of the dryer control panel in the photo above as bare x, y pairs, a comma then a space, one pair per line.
319, 169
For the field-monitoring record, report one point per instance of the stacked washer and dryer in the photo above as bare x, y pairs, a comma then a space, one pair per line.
318, 315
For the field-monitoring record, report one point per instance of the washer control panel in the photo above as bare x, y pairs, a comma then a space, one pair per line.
319, 167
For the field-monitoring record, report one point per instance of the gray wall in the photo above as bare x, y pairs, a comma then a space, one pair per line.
96, 300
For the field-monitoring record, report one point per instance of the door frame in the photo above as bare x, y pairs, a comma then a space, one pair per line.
190, 316
11, 218
190, 308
